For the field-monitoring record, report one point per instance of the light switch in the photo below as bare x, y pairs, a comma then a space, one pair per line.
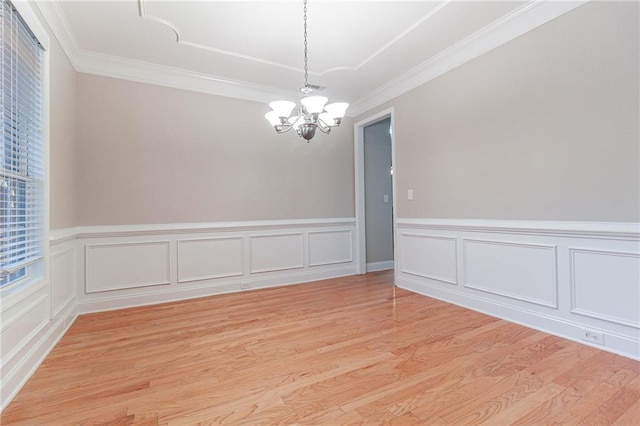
386, 198
409, 194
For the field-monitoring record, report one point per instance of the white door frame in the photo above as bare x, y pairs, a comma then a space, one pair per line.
361, 242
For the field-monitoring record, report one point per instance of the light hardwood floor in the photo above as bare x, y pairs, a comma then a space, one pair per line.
354, 350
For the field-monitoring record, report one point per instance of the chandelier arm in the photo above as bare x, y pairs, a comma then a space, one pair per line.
284, 128
321, 123
324, 128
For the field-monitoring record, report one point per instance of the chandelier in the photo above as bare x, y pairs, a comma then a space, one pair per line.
314, 113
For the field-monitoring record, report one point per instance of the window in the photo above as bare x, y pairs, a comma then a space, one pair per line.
22, 154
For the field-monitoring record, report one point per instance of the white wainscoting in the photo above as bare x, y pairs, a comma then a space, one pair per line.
128, 266
34, 317
565, 278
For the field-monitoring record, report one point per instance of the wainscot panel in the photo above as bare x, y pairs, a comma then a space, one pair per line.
33, 316
330, 247
428, 256
276, 252
520, 271
63, 278
208, 258
573, 279
604, 285
126, 265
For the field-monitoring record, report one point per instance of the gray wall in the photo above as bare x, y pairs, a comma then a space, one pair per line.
63, 159
151, 154
544, 127
378, 214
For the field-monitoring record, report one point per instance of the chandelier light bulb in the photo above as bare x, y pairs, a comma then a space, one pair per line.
283, 108
337, 109
314, 104
272, 118
327, 118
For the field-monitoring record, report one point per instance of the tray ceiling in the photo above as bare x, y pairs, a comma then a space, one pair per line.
363, 52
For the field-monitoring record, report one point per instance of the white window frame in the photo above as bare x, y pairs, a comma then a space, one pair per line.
15, 292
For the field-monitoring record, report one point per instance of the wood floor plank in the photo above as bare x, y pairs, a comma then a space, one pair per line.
543, 371
352, 350
630, 417
614, 407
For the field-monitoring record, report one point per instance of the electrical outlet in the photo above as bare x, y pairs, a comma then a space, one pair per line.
593, 337
245, 286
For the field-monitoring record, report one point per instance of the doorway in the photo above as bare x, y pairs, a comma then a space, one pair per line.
375, 193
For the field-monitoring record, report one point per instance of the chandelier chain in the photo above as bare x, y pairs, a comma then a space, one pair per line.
306, 59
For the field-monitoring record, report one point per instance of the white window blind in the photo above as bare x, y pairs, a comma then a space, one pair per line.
22, 154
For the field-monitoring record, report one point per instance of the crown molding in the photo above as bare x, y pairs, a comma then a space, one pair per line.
517, 23
177, 78
528, 17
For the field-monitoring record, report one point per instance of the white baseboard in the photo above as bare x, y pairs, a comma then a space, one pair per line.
192, 292
380, 266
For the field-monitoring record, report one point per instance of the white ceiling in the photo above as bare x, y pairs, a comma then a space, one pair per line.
363, 52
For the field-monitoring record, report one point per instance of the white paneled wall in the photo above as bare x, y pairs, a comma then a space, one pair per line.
563, 278
138, 265
34, 318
